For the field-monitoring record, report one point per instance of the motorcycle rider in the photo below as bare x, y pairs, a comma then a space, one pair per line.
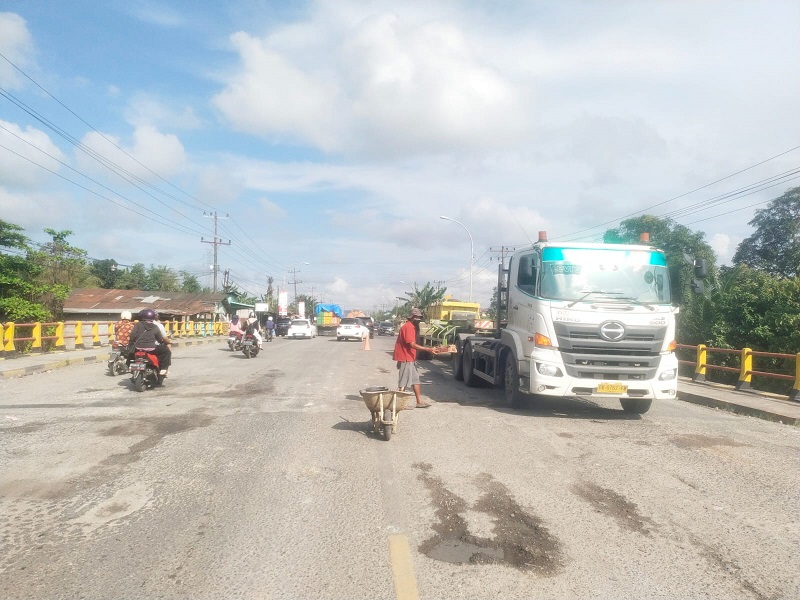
234, 326
251, 328
123, 328
270, 328
146, 335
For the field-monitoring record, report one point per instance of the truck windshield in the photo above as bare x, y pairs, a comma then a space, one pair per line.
576, 274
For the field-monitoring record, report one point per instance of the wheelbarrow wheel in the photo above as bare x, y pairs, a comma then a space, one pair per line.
376, 422
387, 427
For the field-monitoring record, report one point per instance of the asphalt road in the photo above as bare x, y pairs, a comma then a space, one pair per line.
260, 478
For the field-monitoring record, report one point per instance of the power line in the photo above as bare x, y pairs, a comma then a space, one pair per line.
617, 220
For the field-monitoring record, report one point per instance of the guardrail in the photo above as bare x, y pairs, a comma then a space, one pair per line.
746, 369
19, 338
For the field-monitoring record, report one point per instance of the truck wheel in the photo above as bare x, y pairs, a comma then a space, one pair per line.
514, 398
470, 378
635, 405
458, 367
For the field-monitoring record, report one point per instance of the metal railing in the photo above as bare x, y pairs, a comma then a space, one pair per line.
746, 369
19, 338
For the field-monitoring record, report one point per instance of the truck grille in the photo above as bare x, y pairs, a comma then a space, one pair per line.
635, 357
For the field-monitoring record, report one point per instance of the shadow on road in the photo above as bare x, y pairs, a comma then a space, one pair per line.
439, 385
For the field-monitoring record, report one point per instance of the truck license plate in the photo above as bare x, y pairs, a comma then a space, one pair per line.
611, 388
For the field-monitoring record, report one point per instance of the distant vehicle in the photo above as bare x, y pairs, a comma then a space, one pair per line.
327, 318
351, 328
386, 328
301, 328
370, 323
282, 325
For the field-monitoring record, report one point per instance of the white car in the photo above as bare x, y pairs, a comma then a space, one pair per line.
301, 328
351, 328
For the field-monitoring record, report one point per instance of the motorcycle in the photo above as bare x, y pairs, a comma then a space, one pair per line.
145, 370
269, 335
250, 346
235, 341
118, 359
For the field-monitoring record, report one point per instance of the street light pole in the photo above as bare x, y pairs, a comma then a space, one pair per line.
471, 251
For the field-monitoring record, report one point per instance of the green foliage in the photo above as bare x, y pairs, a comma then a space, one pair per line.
757, 310
106, 272
676, 241
161, 279
421, 298
190, 283
133, 278
775, 245
19, 310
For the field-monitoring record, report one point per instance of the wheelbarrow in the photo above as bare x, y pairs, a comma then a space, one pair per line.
385, 406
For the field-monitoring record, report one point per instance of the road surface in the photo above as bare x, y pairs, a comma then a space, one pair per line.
260, 479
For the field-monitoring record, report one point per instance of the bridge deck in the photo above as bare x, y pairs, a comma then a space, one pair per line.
756, 404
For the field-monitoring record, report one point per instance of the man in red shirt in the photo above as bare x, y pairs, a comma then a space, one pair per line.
405, 353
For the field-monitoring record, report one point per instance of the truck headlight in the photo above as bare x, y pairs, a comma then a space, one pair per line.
667, 375
549, 370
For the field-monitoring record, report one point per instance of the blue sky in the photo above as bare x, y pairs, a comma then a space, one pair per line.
335, 133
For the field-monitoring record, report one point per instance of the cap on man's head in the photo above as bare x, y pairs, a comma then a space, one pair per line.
415, 313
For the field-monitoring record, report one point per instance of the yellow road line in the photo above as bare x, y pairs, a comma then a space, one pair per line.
405, 584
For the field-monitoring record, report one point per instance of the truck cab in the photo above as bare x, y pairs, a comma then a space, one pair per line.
589, 320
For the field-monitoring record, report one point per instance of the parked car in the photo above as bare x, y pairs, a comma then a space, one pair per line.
386, 328
370, 323
301, 328
351, 328
282, 325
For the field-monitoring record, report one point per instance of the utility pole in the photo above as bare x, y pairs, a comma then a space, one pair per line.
503, 251
217, 242
294, 271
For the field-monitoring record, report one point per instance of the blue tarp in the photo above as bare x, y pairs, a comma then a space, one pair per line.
334, 308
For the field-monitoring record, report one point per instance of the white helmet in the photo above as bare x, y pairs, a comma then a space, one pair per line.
126, 314
269, 318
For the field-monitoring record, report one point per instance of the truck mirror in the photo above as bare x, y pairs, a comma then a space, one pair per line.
698, 287
700, 268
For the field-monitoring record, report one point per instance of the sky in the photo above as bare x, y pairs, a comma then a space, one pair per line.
329, 137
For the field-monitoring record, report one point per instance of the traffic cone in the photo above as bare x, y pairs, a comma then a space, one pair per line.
366, 342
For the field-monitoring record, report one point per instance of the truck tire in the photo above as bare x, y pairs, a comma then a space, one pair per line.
470, 378
514, 398
458, 367
635, 405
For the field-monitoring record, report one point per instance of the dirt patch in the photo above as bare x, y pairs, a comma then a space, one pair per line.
703, 441
612, 504
520, 539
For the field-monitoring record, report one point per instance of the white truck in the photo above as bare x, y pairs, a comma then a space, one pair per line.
582, 320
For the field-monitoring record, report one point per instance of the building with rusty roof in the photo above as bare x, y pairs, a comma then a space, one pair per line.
98, 304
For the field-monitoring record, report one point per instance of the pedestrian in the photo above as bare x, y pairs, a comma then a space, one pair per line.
405, 353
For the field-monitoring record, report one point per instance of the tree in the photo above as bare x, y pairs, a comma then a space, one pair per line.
678, 242
63, 267
421, 298
133, 278
107, 273
19, 290
775, 245
161, 279
190, 283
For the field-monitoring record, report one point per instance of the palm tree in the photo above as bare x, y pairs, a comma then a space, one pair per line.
420, 298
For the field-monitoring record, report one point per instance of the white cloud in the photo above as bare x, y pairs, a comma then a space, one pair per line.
16, 45
271, 210
145, 109
32, 144
270, 96
725, 247
152, 153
